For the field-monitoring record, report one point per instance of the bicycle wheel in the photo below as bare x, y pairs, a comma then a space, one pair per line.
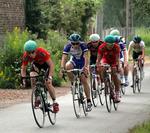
134, 80
50, 110
140, 81
108, 95
94, 88
101, 94
84, 102
122, 87
38, 106
76, 99
115, 103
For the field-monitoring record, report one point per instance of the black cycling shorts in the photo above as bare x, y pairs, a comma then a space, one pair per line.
136, 55
35, 67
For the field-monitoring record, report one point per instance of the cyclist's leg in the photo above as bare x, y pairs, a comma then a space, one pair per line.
50, 88
70, 65
116, 82
34, 70
122, 71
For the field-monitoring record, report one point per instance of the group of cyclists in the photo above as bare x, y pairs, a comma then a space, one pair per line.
111, 51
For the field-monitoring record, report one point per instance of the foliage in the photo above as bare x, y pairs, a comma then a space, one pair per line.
144, 33
12, 52
114, 13
11, 58
66, 16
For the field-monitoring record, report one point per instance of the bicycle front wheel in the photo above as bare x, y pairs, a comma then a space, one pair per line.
76, 99
134, 80
94, 92
108, 95
140, 81
84, 103
38, 106
101, 93
50, 110
122, 87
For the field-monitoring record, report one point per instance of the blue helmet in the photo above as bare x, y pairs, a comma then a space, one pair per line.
75, 38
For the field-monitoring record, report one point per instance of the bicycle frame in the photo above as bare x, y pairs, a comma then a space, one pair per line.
39, 111
78, 93
109, 89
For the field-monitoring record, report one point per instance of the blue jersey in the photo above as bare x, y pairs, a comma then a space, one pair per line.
121, 46
76, 56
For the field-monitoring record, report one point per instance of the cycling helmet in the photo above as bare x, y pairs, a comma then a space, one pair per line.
75, 38
94, 37
136, 39
30, 45
110, 39
115, 32
117, 39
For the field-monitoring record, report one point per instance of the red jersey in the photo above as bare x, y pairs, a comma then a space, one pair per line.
109, 55
41, 56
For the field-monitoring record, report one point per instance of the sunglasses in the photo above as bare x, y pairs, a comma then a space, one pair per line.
109, 44
77, 43
32, 52
95, 42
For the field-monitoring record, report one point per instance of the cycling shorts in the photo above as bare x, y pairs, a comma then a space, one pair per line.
35, 67
78, 64
112, 62
92, 61
136, 55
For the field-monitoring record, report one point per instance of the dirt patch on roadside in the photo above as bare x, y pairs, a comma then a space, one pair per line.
9, 97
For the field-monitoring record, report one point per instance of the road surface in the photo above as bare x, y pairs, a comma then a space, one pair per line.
133, 109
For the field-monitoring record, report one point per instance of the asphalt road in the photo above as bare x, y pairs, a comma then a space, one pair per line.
133, 109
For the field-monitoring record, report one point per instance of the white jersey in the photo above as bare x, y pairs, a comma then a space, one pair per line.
137, 49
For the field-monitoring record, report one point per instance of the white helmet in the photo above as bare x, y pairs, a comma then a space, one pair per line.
94, 37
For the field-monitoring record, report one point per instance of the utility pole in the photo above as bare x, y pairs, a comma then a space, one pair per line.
99, 22
129, 19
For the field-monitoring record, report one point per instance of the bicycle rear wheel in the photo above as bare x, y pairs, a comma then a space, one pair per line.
134, 80
50, 111
108, 95
38, 106
76, 99
94, 88
140, 81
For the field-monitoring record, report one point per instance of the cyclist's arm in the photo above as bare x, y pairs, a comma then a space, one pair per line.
63, 61
143, 52
51, 67
129, 50
125, 57
118, 59
23, 74
86, 56
99, 56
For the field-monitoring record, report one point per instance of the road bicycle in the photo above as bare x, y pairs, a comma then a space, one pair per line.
78, 95
137, 75
110, 94
122, 87
96, 91
41, 101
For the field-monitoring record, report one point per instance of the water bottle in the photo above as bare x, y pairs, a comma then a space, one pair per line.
44, 95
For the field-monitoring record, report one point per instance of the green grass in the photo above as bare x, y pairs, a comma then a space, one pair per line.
141, 128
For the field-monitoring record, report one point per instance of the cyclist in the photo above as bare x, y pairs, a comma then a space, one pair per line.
110, 51
123, 55
40, 58
79, 59
93, 45
138, 52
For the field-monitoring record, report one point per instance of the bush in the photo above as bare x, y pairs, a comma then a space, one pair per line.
12, 52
